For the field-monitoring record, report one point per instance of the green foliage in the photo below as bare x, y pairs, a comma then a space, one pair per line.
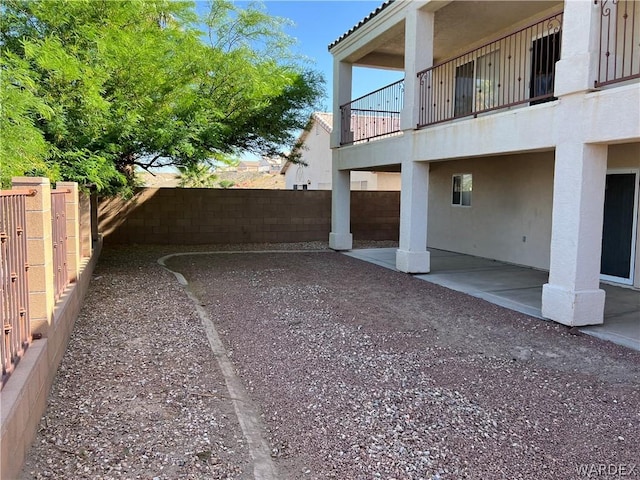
226, 183
23, 148
197, 175
92, 89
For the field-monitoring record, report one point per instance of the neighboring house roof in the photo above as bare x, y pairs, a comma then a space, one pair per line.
284, 168
324, 119
361, 23
248, 165
269, 162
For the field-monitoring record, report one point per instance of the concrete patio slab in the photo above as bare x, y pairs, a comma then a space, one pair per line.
496, 279
517, 288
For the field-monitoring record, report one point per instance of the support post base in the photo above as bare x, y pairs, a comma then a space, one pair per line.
413, 262
340, 241
573, 308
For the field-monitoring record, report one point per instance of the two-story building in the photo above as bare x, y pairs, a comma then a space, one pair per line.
516, 130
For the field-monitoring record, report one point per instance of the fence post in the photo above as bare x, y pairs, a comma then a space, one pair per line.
84, 205
95, 235
73, 228
39, 252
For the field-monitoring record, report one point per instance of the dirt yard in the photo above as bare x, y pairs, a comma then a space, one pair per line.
357, 372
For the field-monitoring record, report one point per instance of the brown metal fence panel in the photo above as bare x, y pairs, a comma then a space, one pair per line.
14, 281
59, 238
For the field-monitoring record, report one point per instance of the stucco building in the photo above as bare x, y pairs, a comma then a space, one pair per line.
516, 130
314, 171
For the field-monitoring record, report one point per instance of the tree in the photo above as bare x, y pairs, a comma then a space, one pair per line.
197, 175
110, 85
22, 145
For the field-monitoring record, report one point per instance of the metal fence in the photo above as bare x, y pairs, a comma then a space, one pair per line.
619, 58
373, 115
516, 69
14, 278
59, 238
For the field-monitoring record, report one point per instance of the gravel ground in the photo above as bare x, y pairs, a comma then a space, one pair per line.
358, 373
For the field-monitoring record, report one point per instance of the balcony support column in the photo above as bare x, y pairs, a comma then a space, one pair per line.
576, 71
572, 296
340, 237
418, 56
412, 256
342, 84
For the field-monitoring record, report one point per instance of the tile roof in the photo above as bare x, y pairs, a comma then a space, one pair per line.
324, 119
361, 23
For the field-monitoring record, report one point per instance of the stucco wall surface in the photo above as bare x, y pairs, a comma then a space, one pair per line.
510, 214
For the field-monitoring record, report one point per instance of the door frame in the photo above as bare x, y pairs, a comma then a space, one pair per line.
634, 228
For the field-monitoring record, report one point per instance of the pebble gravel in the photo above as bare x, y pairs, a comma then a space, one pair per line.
358, 373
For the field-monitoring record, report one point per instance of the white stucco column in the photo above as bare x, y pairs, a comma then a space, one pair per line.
418, 56
412, 256
572, 296
340, 237
342, 81
576, 70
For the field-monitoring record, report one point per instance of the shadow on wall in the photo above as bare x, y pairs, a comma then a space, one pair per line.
213, 216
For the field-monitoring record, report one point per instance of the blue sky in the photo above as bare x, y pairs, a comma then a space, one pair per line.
317, 23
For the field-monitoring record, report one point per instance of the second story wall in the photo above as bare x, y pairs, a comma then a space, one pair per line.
463, 59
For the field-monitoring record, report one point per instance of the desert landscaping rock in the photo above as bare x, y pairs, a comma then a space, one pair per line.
358, 372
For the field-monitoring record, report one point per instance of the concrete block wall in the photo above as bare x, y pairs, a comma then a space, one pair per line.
214, 216
23, 398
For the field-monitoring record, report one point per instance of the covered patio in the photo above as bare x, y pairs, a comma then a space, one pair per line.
518, 288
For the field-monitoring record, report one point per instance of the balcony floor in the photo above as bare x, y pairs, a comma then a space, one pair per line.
517, 288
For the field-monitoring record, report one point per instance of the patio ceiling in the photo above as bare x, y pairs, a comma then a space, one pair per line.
458, 25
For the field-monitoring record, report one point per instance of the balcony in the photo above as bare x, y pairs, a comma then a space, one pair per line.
372, 116
517, 69
619, 45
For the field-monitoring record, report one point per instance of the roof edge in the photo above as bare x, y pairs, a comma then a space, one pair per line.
360, 24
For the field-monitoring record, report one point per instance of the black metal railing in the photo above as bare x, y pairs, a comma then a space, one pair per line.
374, 115
516, 69
619, 58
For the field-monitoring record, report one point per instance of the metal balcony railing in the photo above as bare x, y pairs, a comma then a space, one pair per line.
619, 58
374, 115
516, 69
14, 282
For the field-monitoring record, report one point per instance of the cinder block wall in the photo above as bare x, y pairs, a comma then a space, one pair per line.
23, 398
209, 216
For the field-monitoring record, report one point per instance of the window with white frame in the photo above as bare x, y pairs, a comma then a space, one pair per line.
462, 188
